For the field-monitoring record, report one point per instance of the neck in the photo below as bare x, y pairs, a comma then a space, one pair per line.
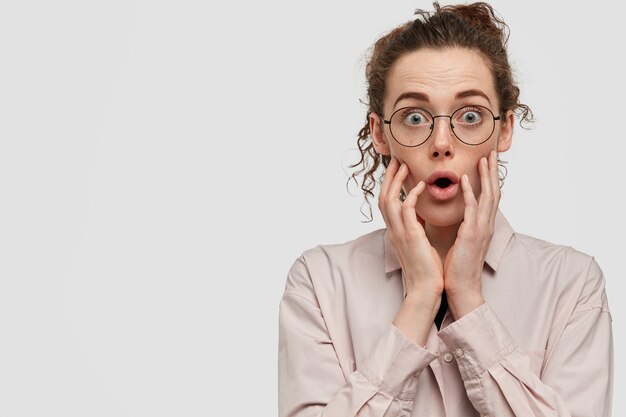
442, 238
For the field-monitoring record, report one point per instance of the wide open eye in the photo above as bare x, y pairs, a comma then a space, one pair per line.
414, 117
470, 116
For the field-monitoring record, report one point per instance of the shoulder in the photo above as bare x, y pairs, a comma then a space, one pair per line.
341, 253
537, 247
558, 264
547, 253
325, 264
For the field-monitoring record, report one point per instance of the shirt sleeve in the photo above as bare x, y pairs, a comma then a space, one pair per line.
311, 381
577, 376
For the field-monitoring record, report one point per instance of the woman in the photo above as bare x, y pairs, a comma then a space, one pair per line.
447, 311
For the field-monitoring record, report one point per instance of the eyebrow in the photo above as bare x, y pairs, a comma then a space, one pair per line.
473, 93
424, 97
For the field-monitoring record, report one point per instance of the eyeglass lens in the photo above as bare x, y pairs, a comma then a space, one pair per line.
411, 126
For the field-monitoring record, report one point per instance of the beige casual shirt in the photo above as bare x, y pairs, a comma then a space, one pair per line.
541, 344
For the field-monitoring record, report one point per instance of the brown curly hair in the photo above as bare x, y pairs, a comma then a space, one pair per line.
472, 26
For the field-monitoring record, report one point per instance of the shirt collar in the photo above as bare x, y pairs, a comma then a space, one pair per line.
502, 233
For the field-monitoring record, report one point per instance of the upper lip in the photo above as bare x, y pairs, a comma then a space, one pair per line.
442, 174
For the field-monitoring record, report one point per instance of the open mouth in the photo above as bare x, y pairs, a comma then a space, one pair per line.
443, 185
443, 182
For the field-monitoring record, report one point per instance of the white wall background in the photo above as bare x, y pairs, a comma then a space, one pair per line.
162, 163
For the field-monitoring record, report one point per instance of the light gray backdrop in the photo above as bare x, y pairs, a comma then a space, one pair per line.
162, 163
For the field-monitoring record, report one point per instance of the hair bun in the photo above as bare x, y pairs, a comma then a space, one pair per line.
479, 15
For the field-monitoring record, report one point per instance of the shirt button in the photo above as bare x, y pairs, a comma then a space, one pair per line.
459, 352
448, 357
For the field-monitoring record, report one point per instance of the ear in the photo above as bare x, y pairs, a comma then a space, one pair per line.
378, 138
506, 132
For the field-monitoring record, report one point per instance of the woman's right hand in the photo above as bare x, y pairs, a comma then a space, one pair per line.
421, 265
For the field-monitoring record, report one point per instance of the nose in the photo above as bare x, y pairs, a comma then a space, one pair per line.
442, 138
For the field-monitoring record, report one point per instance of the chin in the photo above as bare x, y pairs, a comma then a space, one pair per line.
442, 215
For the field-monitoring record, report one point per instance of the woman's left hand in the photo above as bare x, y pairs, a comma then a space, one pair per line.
463, 265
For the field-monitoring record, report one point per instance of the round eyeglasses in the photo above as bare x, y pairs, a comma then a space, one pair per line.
412, 126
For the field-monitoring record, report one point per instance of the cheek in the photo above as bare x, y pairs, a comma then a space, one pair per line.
401, 152
472, 170
411, 158
476, 187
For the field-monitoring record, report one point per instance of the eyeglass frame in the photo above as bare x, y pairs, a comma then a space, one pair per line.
432, 126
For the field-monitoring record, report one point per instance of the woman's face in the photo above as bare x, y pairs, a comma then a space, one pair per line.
441, 81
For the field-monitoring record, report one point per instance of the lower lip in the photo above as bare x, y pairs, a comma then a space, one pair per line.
443, 193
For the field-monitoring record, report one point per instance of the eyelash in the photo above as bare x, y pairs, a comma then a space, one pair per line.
470, 108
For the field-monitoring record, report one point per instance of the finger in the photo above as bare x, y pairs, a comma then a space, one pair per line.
391, 170
412, 222
420, 219
493, 171
485, 201
495, 182
392, 199
471, 205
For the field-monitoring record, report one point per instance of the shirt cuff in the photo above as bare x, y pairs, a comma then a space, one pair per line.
395, 363
478, 340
